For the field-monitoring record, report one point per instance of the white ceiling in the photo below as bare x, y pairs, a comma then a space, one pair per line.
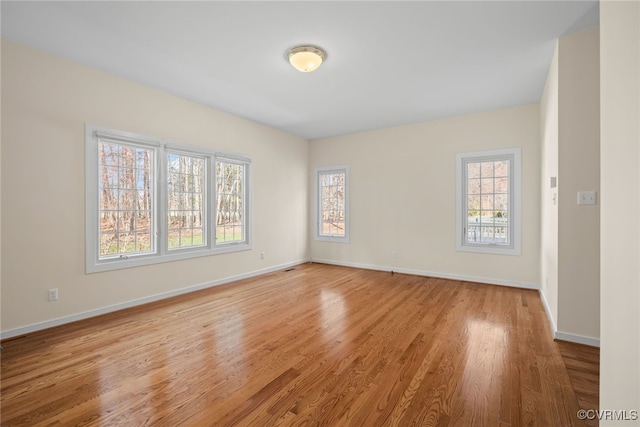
389, 62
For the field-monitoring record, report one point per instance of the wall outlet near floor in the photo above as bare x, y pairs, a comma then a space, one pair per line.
262, 255
394, 254
53, 294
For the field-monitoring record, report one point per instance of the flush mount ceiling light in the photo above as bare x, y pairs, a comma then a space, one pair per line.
306, 58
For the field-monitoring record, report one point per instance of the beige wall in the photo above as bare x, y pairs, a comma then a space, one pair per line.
0, 195
570, 233
579, 169
549, 202
46, 101
620, 222
403, 195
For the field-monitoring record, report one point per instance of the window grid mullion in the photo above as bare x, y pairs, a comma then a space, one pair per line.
331, 199
494, 224
128, 206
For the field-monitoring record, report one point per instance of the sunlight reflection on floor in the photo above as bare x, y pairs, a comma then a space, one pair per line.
486, 353
333, 310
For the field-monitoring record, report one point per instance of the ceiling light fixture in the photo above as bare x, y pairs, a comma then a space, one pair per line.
306, 58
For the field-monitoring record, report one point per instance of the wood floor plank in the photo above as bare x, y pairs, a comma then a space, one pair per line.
583, 367
318, 345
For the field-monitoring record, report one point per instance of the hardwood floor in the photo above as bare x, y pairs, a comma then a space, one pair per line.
318, 345
583, 366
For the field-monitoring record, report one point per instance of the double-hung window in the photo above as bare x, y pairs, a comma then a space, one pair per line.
332, 204
151, 201
488, 202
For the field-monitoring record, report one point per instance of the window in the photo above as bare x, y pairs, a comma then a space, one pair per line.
332, 204
488, 202
230, 179
186, 198
151, 201
126, 206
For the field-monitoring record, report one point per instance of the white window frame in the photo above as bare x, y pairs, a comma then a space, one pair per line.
160, 253
515, 193
247, 191
183, 149
318, 205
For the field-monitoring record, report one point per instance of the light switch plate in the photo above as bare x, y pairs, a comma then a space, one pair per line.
587, 198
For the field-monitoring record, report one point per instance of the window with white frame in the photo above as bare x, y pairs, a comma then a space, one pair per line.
488, 202
230, 191
151, 201
126, 214
332, 204
186, 200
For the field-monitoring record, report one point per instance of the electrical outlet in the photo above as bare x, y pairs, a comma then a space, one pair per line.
53, 294
587, 198
262, 255
394, 253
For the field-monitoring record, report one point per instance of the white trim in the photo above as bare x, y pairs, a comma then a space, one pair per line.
188, 149
515, 178
247, 202
578, 339
121, 306
161, 253
116, 307
439, 275
119, 136
316, 205
174, 255
209, 182
564, 336
232, 158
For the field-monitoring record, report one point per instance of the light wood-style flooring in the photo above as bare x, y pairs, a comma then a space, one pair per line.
315, 346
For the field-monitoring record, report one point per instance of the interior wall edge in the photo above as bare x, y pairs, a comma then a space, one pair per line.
547, 310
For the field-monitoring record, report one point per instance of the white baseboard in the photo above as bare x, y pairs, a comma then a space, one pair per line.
579, 339
92, 313
488, 281
556, 335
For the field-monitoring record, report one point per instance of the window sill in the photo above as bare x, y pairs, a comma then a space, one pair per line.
332, 239
141, 260
489, 249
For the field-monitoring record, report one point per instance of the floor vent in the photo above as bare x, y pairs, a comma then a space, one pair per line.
289, 269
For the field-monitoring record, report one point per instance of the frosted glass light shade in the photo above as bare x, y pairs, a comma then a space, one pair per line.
306, 58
